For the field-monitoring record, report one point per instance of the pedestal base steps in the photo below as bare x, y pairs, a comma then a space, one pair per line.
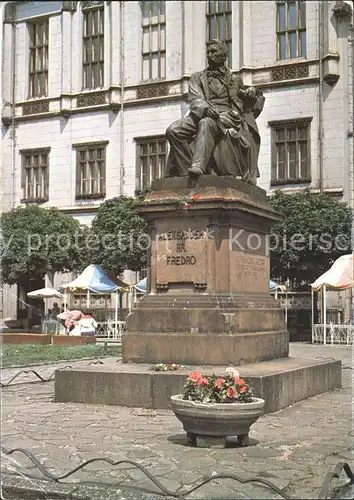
205, 329
280, 382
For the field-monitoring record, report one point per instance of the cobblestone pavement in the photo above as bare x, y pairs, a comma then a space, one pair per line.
293, 448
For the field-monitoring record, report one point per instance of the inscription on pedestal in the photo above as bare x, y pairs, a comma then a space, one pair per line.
249, 273
181, 257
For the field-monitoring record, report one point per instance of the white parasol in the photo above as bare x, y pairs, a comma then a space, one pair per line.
44, 293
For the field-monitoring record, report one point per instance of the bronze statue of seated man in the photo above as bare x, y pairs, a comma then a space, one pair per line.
219, 132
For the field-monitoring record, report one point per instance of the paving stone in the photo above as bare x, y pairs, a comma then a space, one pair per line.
293, 448
258, 452
210, 442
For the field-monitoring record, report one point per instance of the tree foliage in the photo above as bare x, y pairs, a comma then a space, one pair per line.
118, 235
36, 240
314, 232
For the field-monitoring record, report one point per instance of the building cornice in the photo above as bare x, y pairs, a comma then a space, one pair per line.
293, 189
282, 74
78, 208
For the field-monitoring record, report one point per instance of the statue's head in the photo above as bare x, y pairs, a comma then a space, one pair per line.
216, 53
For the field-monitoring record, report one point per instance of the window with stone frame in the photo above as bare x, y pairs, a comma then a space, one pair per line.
38, 58
154, 40
219, 19
93, 45
291, 151
91, 170
35, 175
291, 29
151, 154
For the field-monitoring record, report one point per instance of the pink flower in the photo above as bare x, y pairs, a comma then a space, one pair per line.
194, 376
218, 382
231, 392
203, 381
243, 389
239, 381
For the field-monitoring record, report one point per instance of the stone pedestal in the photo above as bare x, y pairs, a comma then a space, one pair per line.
208, 300
208, 305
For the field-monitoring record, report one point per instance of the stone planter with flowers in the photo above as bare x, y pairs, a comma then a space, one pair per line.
216, 407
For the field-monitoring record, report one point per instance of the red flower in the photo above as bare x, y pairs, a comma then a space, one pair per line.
231, 392
195, 196
194, 376
203, 381
240, 381
218, 382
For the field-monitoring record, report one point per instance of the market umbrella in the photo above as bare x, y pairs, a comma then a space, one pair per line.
94, 279
141, 286
45, 293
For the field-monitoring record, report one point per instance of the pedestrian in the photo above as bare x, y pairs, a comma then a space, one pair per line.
70, 317
54, 311
86, 325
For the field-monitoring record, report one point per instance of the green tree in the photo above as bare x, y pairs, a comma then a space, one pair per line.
119, 236
314, 232
35, 241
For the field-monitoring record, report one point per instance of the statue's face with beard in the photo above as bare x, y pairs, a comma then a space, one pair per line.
216, 56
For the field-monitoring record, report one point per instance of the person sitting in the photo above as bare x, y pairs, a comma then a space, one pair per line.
86, 325
70, 318
54, 311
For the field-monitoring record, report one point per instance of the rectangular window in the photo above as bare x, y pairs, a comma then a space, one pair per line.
38, 58
291, 148
154, 40
93, 47
151, 160
91, 171
35, 175
219, 18
143, 274
291, 29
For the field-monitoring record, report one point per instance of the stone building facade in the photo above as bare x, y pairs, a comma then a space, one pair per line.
88, 89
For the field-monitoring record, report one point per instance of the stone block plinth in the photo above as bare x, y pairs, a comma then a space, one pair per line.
208, 298
280, 382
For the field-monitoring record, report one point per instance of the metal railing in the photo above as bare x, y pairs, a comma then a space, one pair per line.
107, 328
110, 330
333, 334
182, 492
38, 376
